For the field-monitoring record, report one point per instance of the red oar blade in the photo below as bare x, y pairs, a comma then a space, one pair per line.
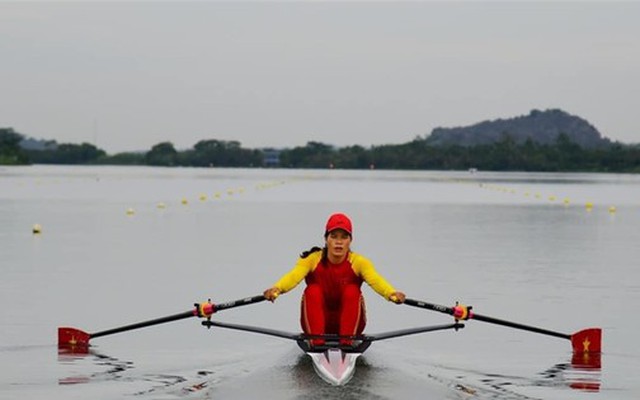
587, 341
72, 337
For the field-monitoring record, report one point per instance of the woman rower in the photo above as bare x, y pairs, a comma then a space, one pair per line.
332, 302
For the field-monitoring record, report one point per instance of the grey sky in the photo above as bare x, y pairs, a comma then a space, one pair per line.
128, 75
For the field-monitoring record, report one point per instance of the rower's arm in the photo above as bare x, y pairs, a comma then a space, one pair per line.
364, 268
292, 278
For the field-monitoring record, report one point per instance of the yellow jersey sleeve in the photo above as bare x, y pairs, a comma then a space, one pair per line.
292, 278
365, 269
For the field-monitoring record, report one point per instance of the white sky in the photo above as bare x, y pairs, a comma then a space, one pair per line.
128, 75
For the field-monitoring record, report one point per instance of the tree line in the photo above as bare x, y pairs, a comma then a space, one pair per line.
503, 155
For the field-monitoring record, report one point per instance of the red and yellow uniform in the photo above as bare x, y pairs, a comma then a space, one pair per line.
332, 301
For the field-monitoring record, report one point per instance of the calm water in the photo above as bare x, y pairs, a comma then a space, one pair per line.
508, 244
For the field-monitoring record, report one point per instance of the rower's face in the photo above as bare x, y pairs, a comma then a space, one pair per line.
338, 244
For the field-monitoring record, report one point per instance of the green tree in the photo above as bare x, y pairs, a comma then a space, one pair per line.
570, 155
504, 154
312, 155
79, 154
353, 157
68, 153
162, 154
221, 153
10, 151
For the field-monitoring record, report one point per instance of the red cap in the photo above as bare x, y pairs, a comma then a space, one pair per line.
339, 221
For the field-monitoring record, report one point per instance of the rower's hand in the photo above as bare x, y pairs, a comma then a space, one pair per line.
397, 297
272, 294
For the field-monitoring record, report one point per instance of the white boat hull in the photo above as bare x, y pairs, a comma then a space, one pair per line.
334, 365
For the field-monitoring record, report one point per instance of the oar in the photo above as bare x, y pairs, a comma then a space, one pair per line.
72, 337
584, 341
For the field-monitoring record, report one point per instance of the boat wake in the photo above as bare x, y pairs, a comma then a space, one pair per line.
486, 385
289, 374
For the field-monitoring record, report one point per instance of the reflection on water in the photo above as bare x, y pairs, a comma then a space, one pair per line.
582, 373
585, 371
114, 368
578, 376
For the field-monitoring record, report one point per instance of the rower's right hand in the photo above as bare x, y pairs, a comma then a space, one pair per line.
397, 297
272, 294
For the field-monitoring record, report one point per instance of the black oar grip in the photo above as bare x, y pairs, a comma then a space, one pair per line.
429, 306
237, 303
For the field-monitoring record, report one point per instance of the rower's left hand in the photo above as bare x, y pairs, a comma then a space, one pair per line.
397, 297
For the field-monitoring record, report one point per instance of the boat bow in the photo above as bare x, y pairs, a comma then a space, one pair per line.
334, 366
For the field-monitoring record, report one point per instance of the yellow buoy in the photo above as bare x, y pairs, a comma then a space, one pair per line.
130, 211
185, 201
203, 197
37, 229
566, 201
589, 206
612, 209
552, 198
161, 205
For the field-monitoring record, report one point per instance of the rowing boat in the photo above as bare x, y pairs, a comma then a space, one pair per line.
335, 363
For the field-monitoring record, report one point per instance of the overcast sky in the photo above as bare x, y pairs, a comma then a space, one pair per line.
128, 75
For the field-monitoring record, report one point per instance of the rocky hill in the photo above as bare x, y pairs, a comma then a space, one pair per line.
542, 127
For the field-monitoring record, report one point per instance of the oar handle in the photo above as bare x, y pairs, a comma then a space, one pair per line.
429, 306
491, 320
237, 303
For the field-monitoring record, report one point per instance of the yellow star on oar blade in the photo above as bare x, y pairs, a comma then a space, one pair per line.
585, 345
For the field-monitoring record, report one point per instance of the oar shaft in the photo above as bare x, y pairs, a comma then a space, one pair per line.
138, 325
516, 325
491, 320
187, 314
